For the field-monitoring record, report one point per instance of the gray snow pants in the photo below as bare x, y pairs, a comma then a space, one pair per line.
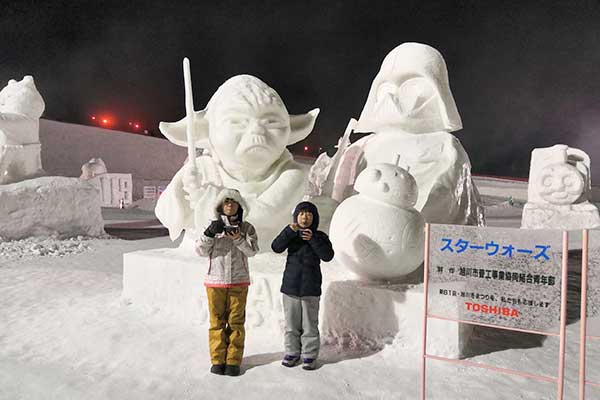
301, 325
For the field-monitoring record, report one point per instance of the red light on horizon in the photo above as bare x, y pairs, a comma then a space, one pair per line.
305, 148
137, 126
93, 117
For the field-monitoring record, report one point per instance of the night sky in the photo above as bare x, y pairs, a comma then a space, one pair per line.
523, 75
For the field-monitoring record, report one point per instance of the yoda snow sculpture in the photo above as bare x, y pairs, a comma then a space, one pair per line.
411, 112
244, 131
21, 106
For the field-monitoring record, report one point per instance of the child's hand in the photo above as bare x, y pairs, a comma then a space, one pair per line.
234, 234
306, 234
295, 227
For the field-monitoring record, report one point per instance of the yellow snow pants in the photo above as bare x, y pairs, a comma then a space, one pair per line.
226, 334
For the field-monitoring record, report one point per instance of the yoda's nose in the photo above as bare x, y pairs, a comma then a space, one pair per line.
255, 128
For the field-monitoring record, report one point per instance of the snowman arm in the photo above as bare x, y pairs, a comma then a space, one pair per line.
282, 241
321, 245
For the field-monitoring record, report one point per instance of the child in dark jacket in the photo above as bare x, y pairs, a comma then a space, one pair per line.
301, 286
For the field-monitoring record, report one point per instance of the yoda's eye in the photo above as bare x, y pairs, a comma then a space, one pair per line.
273, 123
236, 122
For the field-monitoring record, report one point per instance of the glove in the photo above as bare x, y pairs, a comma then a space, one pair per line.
215, 227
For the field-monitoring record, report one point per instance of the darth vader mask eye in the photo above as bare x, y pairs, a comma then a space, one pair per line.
385, 90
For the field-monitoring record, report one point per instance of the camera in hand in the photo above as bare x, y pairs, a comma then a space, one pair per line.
229, 229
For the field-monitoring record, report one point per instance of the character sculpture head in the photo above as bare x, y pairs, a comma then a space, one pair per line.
389, 184
411, 93
22, 98
245, 125
559, 175
560, 184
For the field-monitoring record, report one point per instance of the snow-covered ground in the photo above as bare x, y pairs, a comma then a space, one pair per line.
65, 334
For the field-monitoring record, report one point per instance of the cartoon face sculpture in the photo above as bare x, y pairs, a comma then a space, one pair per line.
249, 134
560, 184
388, 183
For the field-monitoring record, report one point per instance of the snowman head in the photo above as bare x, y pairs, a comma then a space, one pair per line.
388, 183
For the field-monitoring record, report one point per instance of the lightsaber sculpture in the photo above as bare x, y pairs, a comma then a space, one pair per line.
189, 113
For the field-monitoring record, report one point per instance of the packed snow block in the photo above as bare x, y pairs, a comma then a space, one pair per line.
170, 281
50, 206
360, 314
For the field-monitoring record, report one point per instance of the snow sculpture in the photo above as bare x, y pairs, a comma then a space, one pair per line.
411, 111
377, 233
321, 178
50, 206
21, 106
244, 130
559, 191
93, 168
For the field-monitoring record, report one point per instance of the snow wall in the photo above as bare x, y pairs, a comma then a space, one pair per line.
151, 161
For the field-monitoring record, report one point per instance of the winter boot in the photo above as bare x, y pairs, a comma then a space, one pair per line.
309, 364
289, 360
232, 370
218, 369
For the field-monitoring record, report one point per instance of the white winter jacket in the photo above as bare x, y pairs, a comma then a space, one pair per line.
228, 258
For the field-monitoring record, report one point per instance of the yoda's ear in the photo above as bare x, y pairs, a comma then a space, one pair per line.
302, 125
176, 132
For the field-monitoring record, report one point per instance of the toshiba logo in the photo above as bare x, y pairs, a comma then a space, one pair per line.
484, 308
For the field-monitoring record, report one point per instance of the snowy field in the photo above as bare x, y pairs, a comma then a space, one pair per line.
65, 334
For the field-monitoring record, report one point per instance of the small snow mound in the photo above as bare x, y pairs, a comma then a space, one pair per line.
32, 247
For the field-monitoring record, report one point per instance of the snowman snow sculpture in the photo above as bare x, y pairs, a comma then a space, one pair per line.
21, 106
411, 112
378, 234
559, 191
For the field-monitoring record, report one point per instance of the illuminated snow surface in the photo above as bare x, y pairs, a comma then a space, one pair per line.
65, 334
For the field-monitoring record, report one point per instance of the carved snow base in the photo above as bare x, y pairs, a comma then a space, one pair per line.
19, 162
47, 206
352, 313
568, 217
369, 314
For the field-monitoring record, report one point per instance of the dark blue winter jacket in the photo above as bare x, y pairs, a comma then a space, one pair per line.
302, 275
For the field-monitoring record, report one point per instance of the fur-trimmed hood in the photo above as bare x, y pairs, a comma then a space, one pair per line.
228, 193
